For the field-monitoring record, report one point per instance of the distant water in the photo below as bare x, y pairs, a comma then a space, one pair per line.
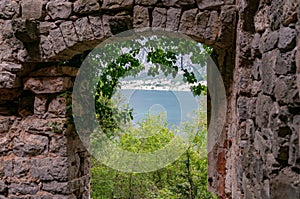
179, 106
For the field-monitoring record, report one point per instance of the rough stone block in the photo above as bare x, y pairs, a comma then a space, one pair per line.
228, 16
255, 45
173, 19
21, 167
140, 17
285, 63
208, 4
58, 145
271, 41
263, 105
28, 12
6, 123
58, 107
117, 4
30, 145
8, 168
56, 187
178, 3
256, 67
3, 187
43, 126
290, 12
10, 67
4, 145
267, 71
187, 23
56, 40
159, 17
40, 105
86, 6
201, 22
286, 90
9, 9
275, 14
262, 144
261, 19
24, 188
48, 85
282, 186
83, 29
256, 88
50, 169
8, 80
46, 47
146, 2
45, 27
55, 71
97, 26
213, 26
69, 33
59, 9
243, 108
287, 39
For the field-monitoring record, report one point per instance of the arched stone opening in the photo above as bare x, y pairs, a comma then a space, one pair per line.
41, 157
41, 154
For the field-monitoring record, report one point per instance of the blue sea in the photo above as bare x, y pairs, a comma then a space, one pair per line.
178, 106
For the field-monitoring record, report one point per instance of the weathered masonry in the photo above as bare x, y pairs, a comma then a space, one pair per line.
258, 154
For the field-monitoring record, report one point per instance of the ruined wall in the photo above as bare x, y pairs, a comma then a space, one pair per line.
257, 155
264, 159
41, 156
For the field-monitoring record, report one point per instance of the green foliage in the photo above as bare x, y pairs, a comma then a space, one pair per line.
155, 134
184, 179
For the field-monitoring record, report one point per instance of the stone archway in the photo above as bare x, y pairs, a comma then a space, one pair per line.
41, 156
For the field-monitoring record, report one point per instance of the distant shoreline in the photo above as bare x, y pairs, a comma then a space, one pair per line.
155, 89
138, 85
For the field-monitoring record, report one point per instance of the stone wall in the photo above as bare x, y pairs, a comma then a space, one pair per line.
41, 155
257, 155
264, 158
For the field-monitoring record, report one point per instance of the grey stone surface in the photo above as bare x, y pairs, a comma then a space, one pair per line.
83, 29
28, 12
178, 3
117, 4
86, 6
23, 188
56, 187
30, 145
48, 85
141, 17
173, 19
159, 17
287, 39
187, 22
97, 26
207, 4
261, 19
263, 105
69, 33
146, 2
9, 9
267, 71
59, 9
